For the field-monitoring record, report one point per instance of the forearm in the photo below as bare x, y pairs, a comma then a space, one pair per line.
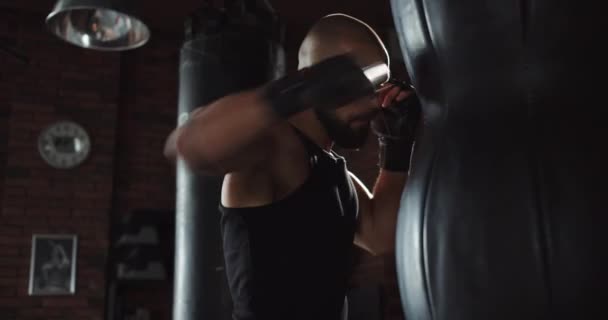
394, 162
395, 128
216, 137
222, 131
386, 202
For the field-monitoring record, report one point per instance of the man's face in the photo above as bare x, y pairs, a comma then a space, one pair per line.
348, 126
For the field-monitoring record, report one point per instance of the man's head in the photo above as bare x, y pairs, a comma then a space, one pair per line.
337, 34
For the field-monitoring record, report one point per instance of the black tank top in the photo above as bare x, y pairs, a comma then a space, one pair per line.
291, 259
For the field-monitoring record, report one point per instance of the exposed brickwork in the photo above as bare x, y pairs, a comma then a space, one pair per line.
145, 179
11, 68
148, 114
60, 83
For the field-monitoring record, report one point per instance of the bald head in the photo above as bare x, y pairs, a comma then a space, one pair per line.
338, 34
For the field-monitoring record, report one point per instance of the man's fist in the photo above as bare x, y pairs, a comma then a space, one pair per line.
400, 113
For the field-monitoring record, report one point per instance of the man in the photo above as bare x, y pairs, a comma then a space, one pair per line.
291, 210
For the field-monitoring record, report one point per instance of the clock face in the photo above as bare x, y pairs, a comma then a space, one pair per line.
64, 145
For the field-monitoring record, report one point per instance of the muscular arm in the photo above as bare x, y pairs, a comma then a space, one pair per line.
396, 131
224, 135
229, 133
378, 211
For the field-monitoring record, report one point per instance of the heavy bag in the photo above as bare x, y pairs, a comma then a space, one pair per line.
228, 50
503, 215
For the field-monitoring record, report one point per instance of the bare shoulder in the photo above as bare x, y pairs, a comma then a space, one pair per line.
281, 170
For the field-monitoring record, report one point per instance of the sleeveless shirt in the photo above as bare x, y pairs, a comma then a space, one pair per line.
291, 259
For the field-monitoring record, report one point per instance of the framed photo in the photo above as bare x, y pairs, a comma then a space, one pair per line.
53, 264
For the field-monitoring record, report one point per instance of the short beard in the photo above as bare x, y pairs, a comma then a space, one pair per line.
340, 132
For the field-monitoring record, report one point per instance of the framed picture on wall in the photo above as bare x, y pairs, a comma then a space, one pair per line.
53, 264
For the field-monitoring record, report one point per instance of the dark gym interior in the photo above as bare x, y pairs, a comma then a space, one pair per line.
127, 102
502, 216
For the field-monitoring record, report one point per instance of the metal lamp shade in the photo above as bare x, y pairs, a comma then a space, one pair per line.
98, 24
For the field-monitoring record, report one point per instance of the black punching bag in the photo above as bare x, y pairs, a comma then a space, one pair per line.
228, 50
503, 216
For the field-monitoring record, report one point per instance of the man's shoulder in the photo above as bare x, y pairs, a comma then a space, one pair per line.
284, 168
284, 143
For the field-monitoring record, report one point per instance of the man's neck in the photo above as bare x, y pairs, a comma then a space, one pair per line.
309, 124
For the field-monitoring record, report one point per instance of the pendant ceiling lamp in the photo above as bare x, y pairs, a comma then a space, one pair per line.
109, 25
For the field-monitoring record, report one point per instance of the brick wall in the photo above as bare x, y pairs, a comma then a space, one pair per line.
61, 82
9, 66
148, 114
145, 180
128, 103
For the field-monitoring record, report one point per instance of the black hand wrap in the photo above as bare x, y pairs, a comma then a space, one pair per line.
396, 128
331, 83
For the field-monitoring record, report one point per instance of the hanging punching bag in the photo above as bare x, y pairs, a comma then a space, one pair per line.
228, 50
503, 214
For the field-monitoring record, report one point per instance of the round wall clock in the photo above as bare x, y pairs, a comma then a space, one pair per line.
64, 145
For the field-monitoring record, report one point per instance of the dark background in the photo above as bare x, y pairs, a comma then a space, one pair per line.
127, 102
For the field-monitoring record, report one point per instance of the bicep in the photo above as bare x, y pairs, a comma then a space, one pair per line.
236, 157
228, 134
